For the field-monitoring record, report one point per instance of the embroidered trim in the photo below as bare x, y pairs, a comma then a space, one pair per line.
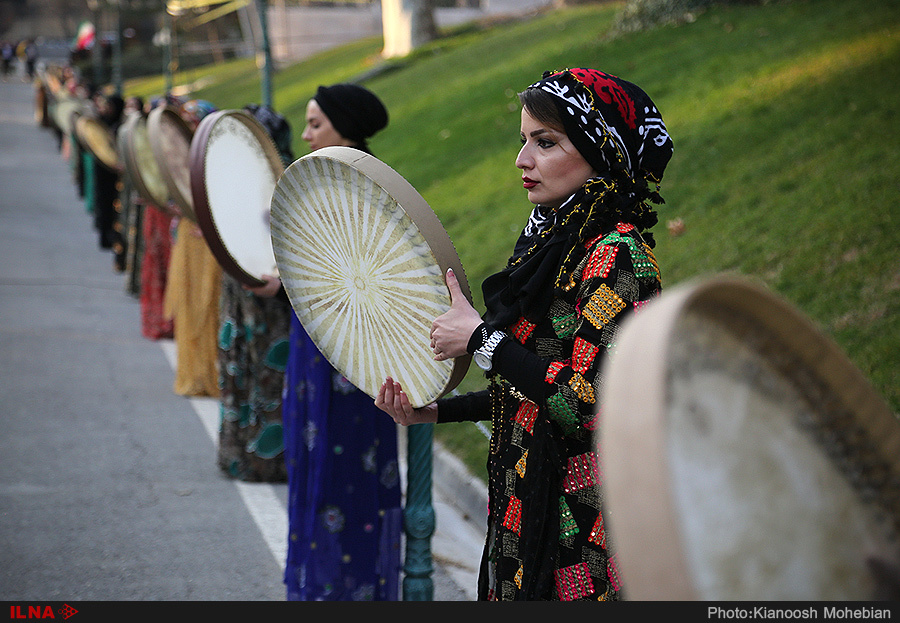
582, 472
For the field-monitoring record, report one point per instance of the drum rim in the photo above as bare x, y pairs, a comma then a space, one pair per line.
199, 189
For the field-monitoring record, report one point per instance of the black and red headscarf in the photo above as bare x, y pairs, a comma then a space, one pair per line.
619, 131
613, 123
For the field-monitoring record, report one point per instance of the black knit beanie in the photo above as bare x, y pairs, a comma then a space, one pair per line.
354, 111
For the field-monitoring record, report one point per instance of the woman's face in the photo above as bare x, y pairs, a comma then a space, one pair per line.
319, 132
552, 169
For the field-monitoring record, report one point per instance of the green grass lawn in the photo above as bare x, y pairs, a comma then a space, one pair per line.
786, 168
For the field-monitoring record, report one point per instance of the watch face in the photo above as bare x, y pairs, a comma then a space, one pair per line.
482, 361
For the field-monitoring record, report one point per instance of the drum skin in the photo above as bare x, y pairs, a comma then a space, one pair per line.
743, 456
363, 260
234, 167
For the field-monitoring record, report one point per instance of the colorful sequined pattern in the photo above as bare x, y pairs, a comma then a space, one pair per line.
582, 389
565, 325
583, 355
598, 533
574, 582
553, 371
526, 415
522, 330
600, 262
562, 413
582, 472
645, 266
567, 524
612, 571
513, 518
603, 306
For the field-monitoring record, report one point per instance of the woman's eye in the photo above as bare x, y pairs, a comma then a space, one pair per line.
544, 143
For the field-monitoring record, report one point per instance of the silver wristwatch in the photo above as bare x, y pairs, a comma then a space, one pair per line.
483, 356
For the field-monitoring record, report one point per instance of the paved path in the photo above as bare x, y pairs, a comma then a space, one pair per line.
109, 489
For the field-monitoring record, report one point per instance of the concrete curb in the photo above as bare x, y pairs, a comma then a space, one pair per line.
467, 493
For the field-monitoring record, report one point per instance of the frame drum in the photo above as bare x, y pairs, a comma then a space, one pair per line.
170, 140
95, 137
234, 167
63, 112
744, 456
141, 165
362, 258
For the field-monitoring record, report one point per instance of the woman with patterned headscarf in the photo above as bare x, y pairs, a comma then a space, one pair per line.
594, 148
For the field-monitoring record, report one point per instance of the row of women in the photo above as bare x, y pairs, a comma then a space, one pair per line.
594, 150
285, 414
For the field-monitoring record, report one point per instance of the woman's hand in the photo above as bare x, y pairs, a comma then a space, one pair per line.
450, 332
393, 400
269, 289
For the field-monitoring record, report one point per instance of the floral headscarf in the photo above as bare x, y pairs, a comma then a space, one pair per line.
193, 111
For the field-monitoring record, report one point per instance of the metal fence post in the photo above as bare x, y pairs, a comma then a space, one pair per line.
418, 516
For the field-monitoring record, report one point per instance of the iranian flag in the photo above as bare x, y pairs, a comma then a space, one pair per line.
84, 40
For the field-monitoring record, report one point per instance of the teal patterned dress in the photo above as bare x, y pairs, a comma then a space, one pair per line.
253, 352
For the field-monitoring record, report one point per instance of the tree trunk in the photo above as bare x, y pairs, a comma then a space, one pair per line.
406, 25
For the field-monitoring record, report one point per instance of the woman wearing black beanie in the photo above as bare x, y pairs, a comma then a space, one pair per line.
344, 496
343, 114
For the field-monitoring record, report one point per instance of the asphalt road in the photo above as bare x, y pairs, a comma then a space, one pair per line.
109, 489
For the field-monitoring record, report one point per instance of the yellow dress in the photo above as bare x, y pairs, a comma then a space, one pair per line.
192, 300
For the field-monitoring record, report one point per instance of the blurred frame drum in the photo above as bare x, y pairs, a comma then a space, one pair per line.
744, 457
94, 136
363, 257
140, 163
170, 140
234, 168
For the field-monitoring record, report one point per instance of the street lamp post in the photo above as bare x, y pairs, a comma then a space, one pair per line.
262, 8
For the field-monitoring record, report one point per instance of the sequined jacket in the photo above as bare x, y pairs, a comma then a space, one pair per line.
546, 537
